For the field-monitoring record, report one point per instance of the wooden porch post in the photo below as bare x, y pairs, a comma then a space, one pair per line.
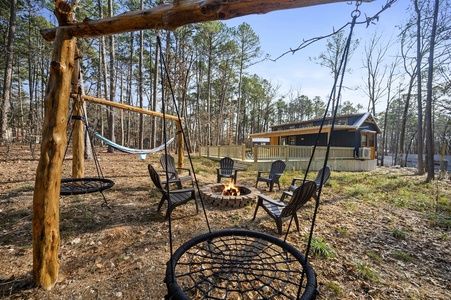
45, 220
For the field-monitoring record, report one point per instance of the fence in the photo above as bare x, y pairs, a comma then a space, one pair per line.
269, 153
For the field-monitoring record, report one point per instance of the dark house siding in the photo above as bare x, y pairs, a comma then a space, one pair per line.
310, 139
343, 138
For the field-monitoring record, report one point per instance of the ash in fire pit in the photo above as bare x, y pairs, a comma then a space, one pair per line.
230, 195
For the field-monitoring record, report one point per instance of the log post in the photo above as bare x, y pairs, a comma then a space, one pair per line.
45, 221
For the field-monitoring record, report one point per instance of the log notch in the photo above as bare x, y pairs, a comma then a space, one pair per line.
46, 234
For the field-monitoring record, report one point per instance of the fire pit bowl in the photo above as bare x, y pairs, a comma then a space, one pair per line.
212, 194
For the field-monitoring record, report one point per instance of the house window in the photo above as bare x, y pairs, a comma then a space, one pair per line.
292, 140
367, 139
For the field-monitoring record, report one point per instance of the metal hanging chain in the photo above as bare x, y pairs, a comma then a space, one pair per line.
342, 69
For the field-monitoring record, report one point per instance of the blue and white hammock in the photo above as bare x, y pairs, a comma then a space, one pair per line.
141, 152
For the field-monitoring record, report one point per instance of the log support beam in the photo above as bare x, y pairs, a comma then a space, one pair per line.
181, 12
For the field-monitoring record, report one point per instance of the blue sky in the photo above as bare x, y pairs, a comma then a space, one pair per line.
281, 30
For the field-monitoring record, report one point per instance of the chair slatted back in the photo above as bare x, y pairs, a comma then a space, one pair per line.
277, 167
226, 165
300, 196
326, 172
169, 166
156, 179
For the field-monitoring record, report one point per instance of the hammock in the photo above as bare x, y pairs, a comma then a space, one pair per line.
130, 150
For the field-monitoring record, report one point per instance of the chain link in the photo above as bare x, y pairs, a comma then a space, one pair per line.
356, 13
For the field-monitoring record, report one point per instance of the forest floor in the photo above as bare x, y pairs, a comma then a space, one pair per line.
388, 232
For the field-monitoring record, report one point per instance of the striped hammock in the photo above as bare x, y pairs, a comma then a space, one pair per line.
130, 150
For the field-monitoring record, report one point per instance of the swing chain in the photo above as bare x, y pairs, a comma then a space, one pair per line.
356, 13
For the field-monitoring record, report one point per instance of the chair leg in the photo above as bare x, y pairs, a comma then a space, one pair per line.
161, 203
296, 221
197, 206
271, 185
256, 208
168, 212
179, 184
279, 225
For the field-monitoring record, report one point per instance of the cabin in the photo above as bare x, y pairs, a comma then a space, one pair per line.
354, 130
353, 145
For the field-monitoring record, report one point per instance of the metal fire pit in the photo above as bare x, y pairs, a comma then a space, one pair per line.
212, 194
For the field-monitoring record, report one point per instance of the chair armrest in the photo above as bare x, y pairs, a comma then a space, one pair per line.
262, 172
295, 179
286, 194
291, 188
272, 201
185, 169
163, 174
185, 190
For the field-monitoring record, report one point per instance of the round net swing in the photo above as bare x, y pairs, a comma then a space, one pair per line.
238, 264
85, 185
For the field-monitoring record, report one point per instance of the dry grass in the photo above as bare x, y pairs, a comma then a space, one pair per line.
388, 230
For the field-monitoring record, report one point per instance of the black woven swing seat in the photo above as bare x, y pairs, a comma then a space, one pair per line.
239, 264
86, 185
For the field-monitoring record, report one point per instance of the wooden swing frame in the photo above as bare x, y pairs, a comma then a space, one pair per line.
45, 221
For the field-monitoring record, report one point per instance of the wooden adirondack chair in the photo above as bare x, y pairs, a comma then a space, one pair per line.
277, 169
175, 197
226, 169
281, 211
168, 163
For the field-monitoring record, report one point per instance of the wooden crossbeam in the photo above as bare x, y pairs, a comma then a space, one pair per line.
181, 12
125, 107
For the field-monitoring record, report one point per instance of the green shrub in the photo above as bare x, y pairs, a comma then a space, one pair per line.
364, 271
321, 248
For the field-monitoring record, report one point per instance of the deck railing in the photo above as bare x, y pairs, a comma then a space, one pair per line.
270, 153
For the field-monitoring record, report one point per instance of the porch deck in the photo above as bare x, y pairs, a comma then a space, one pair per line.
296, 157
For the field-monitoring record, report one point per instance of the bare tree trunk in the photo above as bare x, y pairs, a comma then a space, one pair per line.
8, 72
419, 97
129, 89
428, 117
104, 69
110, 114
389, 87
140, 85
121, 100
154, 95
405, 115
